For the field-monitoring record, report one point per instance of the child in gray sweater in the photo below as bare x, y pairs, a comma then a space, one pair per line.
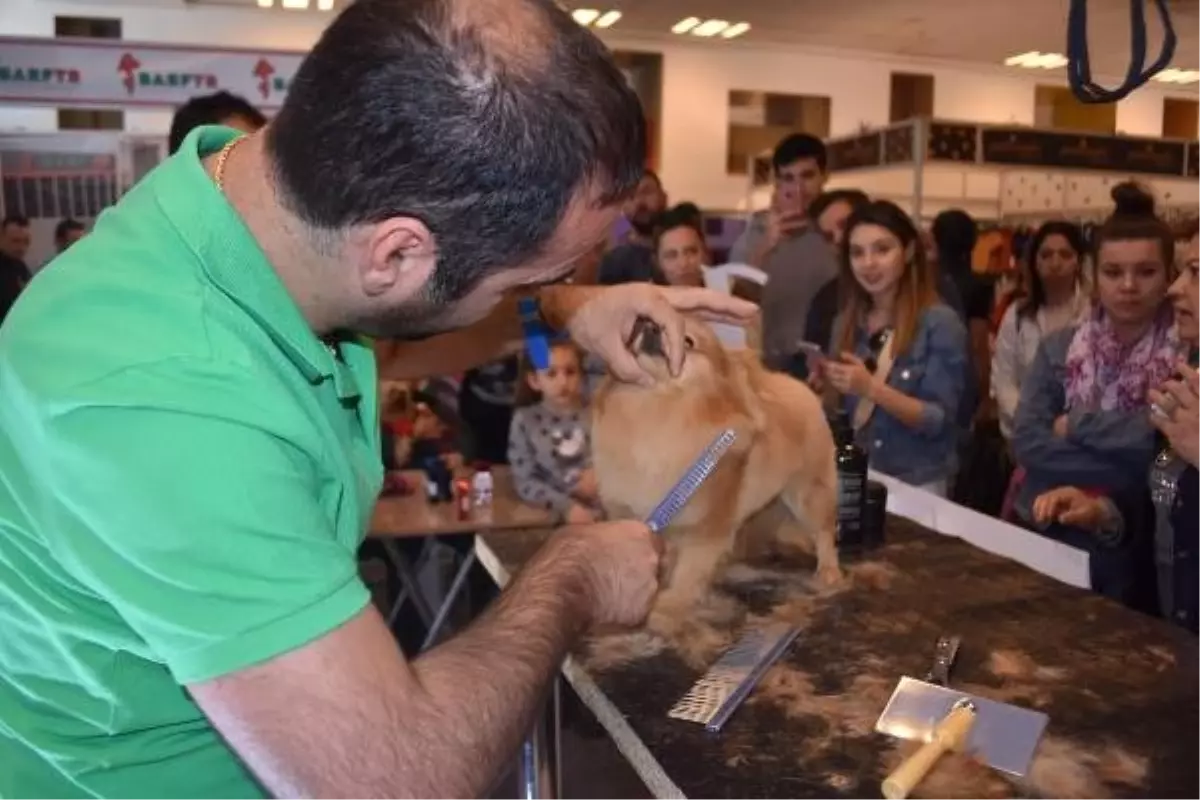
549, 443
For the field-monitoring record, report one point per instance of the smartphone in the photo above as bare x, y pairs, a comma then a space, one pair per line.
811, 351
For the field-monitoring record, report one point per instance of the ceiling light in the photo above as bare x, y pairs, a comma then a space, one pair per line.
297, 5
585, 16
1173, 75
608, 19
1035, 59
265, 3
685, 25
325, 5
736, 29
710, 27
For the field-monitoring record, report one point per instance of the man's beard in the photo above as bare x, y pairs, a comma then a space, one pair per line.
428, 315
643, 225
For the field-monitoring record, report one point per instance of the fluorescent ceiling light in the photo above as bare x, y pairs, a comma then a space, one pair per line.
736, 29
685, 25
295, 4
1035, 59
585, 16
608, 19
1173, 75
325, 5
710, 27
265, 3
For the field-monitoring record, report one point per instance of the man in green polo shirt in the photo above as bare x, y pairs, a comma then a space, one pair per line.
188, 438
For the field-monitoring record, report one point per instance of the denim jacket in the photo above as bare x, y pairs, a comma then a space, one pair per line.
934, 371
1110, 451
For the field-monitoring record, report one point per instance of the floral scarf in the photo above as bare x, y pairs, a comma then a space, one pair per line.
1104, 376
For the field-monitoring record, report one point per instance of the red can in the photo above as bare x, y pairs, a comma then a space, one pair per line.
462, 497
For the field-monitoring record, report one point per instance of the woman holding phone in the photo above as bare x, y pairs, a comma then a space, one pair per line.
902, 352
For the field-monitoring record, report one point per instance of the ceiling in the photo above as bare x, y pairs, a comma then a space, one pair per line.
959, 30
980, 31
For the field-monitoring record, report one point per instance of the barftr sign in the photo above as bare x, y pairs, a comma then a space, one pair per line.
116, 74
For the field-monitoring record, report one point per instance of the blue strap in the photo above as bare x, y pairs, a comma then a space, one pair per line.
537, 333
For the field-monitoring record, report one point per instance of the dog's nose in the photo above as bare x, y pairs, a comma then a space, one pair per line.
647, 338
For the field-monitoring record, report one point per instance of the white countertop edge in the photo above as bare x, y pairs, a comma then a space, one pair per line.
1064, 563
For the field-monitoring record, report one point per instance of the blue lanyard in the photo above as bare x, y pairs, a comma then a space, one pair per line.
537, 334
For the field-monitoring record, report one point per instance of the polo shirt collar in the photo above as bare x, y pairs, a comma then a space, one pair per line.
233, 260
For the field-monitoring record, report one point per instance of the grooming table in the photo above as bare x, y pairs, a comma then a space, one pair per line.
1120, 688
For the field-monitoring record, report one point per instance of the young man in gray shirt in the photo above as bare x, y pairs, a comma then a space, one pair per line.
782, 243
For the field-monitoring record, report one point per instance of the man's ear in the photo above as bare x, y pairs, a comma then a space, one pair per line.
401, 256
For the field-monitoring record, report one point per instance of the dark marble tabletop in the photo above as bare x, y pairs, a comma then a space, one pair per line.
1120, 688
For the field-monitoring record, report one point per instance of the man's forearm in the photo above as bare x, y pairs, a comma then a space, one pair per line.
346, 716
496, 336
495, 674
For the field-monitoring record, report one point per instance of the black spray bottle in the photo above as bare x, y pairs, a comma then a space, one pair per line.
851, 485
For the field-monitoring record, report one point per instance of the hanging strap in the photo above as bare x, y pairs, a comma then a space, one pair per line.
1079, 68
883, 368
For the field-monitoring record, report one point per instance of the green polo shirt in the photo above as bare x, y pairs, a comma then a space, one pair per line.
186, 473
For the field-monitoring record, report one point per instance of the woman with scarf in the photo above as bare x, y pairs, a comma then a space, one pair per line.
1169, 507
1083, 418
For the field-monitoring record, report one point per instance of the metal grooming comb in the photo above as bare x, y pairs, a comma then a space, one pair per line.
714, 698
943, 659
697, 473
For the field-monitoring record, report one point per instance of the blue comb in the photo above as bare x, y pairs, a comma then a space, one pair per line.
691, 481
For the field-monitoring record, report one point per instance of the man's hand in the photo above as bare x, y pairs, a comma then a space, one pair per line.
586, 487
1067, 505
621, 560
579, 515
601, 320
1175, 410
782, 223
1061, 428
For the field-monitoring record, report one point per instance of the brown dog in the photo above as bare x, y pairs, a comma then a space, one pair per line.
645, 438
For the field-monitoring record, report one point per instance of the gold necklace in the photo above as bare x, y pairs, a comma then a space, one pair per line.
222, 160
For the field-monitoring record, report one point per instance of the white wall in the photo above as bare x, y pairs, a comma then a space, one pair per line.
696, 81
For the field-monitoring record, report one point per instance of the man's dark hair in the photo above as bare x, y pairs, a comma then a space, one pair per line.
210, 109
955, 233
67, 226
20, 220
854, 197
796, 147
481, 118
684, 215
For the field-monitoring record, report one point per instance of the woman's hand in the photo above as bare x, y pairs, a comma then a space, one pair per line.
849, 375
601, 319
817, 379
1175, 410
1067, 505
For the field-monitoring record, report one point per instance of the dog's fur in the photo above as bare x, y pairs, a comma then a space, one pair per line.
645, 438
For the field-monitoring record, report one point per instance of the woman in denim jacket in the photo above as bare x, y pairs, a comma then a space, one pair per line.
1083, 417
1170, 506
903, 363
